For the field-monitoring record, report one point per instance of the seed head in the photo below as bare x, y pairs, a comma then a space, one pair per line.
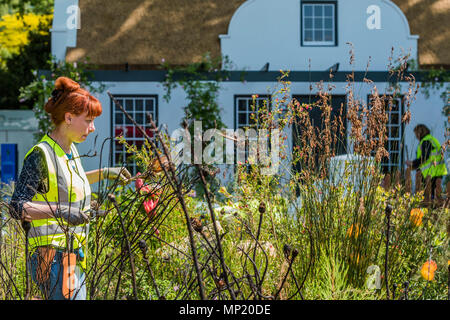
142, 245
262, 207
196, 224
221, 283
294, 253
287, 251
112, 197
388, 209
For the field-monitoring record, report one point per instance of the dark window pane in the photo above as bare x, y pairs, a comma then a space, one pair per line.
307, 10
119, 118
328, 23
318, 23
120, 101
328, 35
119, 157
394, 132
308, 23
395, 119
394, 106
308, 35
318, 35
394, 157
318, 12
128, 105
149, 105
242, 105
139, 143
128, 121
139, 118
139, 105
328, 10
242, 120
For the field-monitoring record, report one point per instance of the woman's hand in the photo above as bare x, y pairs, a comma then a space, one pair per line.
26, 217
114, 173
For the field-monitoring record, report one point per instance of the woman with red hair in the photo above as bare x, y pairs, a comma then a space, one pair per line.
52, 195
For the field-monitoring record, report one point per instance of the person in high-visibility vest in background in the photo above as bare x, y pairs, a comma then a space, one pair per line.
430, 157
52, 195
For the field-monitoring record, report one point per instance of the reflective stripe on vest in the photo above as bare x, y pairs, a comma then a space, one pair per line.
66, 187
435, 164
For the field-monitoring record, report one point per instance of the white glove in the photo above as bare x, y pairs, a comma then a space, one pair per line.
75, 217
113, 173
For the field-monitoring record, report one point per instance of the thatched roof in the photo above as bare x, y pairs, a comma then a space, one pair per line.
429, 19
143, 32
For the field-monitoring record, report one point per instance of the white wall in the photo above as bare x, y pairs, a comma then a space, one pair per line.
263, 31
63, 34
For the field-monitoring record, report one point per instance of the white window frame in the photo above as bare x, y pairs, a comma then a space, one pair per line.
332, 42
248, 111
118, 119
390, 139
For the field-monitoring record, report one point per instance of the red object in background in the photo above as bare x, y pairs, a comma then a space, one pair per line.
131, 132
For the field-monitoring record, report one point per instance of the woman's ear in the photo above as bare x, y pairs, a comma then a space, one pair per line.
68, 117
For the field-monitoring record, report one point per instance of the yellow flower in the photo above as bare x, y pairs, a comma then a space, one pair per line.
416, 216
15, 30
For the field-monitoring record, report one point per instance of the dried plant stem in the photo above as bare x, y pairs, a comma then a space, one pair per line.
386, 261
127, 242
216, 232
175, 185
26, 226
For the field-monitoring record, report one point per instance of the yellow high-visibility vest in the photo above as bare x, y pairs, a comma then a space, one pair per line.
67, 186
435, 165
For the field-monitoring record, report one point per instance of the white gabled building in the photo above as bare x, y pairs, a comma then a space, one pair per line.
260, 37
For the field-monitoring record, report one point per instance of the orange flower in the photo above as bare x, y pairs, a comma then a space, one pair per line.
416, 216
428, 270
357, 231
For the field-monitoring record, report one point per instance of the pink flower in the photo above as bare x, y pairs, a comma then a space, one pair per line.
149, 206
145, 189
139, 182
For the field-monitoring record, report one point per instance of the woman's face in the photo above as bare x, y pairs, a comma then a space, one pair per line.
80, 127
